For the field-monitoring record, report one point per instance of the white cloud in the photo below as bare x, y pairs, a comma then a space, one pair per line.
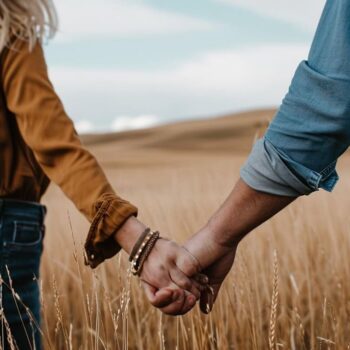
130, 123
213, 83
84, 126
305, 13
118, 18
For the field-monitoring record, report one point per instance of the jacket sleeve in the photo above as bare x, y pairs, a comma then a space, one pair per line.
48, 131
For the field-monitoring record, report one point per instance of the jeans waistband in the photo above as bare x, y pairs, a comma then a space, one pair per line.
22, 210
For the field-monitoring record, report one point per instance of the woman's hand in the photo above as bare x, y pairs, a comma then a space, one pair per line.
164, 273
164, 277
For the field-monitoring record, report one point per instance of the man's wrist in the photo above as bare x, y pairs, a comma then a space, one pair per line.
129, 233
226, 236
205, 247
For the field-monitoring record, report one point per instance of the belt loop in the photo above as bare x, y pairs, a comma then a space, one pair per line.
43, 213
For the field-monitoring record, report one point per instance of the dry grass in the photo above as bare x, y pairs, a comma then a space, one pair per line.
298, 300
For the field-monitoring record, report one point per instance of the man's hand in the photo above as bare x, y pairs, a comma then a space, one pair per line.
217, 261
216, 244
216, 274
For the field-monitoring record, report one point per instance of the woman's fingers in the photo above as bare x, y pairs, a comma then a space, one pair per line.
176, 306
181, 306
190, 302
170, 301
159, 298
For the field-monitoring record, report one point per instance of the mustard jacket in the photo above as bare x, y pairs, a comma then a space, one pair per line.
38, 143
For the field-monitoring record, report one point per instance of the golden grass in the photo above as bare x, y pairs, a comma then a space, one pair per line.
298, 300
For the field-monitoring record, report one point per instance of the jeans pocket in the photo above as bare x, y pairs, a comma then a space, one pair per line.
27, 235
22, 253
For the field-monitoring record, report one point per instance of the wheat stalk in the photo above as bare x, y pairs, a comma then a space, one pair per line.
274, 304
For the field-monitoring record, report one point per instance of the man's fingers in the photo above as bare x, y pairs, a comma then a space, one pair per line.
208, 298
182, 281
201, 279
159, 298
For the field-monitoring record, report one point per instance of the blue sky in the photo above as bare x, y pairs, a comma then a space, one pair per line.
121, 64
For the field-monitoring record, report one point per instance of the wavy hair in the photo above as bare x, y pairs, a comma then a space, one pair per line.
29, 20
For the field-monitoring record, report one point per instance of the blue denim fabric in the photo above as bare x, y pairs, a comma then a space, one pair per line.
312, 127
21, 245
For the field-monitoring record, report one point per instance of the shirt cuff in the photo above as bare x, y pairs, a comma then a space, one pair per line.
271, 171
111, 214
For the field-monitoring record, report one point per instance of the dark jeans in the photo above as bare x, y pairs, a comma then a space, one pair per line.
21, 244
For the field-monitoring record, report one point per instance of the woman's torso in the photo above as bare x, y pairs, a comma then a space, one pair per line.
20, 174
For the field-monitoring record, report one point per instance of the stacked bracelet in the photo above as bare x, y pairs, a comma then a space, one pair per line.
142, 250
138, 244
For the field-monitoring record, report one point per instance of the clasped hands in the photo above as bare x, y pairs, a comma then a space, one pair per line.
172, 275
175, 277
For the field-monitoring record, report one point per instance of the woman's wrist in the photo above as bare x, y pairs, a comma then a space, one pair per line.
129, 233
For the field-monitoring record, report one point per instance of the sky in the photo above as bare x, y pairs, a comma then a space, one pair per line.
127, 64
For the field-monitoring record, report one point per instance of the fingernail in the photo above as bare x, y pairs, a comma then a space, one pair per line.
203, 279
207, 309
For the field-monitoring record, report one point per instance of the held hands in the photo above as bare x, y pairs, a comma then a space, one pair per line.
214, 247
165, 278
171, 277
175, 277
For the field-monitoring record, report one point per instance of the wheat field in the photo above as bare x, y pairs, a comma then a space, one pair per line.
290, 285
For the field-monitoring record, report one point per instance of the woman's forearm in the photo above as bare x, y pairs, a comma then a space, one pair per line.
243, 210
129, 233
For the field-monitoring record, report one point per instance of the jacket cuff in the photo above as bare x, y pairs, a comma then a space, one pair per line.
111, 213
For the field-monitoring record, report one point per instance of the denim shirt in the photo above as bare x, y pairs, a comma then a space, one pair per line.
299, 152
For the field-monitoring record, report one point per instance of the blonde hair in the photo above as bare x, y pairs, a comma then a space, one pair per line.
29, 20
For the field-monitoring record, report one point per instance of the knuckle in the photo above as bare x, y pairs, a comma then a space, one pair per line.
187, 267
186, 284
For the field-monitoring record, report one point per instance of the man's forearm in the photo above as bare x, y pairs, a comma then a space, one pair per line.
243, 210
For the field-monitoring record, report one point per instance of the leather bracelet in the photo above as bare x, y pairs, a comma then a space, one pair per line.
139, 252
143, 252
139, 243
148, 249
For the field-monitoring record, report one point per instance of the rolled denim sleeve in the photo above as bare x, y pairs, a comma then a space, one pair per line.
311, 129
271, 171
